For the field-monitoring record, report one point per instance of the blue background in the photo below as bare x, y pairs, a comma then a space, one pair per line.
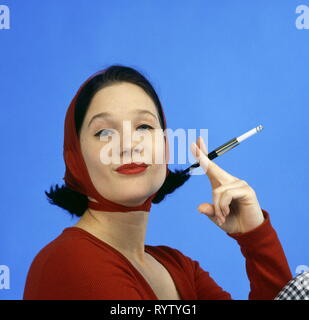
227, 66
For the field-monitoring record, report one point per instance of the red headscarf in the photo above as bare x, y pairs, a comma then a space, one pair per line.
76, 174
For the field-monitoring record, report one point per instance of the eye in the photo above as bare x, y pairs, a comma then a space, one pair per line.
145, 125
99, 133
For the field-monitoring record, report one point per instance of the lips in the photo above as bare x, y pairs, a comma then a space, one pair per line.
132, 166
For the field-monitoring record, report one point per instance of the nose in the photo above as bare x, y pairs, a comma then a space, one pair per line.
130, 148
131, 145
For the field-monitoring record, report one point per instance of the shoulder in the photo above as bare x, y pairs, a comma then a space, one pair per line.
70, 255
71, 266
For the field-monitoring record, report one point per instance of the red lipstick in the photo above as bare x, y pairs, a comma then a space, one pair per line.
132, 168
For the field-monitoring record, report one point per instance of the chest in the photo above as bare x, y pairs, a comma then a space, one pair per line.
159, 280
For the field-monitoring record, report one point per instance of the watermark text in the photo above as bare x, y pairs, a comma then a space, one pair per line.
4, 277
4, 17
302, 21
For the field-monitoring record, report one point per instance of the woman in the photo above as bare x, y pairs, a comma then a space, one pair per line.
103, 256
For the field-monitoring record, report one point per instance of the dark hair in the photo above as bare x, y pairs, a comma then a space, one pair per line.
75, 202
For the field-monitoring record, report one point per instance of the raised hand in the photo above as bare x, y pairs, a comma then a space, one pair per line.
235, 206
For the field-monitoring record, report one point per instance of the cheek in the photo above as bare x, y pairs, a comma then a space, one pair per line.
158, 151
157, 175
91, 154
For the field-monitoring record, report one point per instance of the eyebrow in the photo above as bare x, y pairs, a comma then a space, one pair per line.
109, 115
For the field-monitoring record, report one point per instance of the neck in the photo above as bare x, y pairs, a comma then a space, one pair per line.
125, 231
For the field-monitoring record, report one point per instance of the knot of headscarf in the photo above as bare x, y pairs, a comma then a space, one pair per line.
76, 174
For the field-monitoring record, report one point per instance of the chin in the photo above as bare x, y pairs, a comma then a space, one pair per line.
134, 200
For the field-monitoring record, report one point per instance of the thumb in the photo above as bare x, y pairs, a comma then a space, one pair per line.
207, 208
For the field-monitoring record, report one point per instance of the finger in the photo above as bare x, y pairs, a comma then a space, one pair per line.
209, 210
213, 171
200, 156
218, 212
221, 189
226, 200
201, 144
222, 209
232, 194
213, 210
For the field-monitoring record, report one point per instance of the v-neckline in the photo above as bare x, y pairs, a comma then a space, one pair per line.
154, 256
147, 249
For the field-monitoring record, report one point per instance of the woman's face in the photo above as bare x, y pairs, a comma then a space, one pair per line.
123, 101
